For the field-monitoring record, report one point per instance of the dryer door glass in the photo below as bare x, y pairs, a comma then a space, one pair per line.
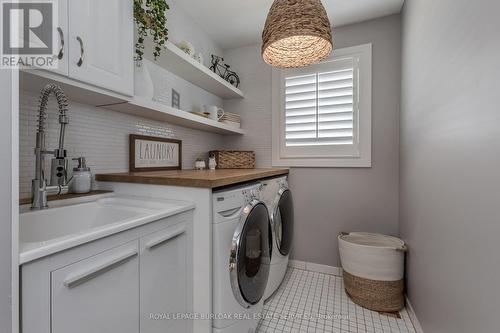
253, 256
283, 222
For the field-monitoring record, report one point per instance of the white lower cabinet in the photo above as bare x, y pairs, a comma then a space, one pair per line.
132, 282
163, 280
98, 294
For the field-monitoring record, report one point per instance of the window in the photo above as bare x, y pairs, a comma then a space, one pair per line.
322, 113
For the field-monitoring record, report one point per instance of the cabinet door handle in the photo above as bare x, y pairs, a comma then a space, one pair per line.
162, 239
98, 269
60, 55
80, 61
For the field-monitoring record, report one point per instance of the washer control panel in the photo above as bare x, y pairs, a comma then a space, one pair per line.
252, 193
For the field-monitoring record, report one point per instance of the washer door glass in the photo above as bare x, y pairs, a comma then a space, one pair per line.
283, 222
253, 256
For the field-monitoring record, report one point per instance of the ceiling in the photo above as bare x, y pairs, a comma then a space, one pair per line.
234, 23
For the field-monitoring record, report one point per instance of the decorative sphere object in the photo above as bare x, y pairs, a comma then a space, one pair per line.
187, 47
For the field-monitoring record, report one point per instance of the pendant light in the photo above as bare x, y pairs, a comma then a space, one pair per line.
297, 33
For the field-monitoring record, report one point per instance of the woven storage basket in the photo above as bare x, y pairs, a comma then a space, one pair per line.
373, 269
382, 296
234, 159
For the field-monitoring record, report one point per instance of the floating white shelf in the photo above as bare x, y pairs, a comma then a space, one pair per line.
35, 80
176, 61
154, 110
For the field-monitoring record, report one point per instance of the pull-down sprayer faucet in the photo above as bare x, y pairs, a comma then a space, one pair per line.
59, 165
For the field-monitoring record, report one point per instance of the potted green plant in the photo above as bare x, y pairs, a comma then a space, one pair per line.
150, 19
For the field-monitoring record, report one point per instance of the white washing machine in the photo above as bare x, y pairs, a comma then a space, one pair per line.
278, 197
241, 258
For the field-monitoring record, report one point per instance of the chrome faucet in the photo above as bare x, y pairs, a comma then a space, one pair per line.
59, 163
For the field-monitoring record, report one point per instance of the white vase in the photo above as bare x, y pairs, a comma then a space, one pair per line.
143, 84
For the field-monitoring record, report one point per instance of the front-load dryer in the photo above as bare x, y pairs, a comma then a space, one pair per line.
241, 258
278, 197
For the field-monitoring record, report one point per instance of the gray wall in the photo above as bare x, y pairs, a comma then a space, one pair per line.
450, 162
5, 201
330, 200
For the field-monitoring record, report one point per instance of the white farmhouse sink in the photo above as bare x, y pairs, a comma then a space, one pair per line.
44, 225
42, 232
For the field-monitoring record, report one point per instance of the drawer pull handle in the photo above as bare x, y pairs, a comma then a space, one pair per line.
92, 272
165, 238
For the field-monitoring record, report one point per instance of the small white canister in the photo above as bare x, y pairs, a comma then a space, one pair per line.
82, 177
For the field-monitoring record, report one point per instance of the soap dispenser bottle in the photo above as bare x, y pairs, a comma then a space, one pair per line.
82, 178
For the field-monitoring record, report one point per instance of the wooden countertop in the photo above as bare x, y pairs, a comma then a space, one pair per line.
192, 178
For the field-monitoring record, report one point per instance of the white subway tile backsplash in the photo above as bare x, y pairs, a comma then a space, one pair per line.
101, 136
192, 98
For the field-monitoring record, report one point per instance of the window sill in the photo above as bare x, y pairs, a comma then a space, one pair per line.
323, 163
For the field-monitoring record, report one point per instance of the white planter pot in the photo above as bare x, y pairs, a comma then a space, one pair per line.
143, 84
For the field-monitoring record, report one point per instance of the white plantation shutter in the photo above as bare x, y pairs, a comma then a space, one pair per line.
301, 96
322, 113
319, 109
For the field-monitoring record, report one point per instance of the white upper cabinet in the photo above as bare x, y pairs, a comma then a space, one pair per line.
101, 43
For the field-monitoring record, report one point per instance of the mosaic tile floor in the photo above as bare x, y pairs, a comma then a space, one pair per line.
315, 302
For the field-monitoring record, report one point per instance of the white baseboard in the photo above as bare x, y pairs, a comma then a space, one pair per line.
312, 267
413, 317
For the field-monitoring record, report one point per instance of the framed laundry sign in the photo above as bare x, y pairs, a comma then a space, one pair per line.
148, 153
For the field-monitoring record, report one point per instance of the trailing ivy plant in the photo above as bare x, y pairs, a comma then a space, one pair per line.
150, 17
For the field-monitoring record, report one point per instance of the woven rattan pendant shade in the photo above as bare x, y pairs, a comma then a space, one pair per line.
297, 33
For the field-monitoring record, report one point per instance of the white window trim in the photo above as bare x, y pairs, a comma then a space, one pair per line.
361, 158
